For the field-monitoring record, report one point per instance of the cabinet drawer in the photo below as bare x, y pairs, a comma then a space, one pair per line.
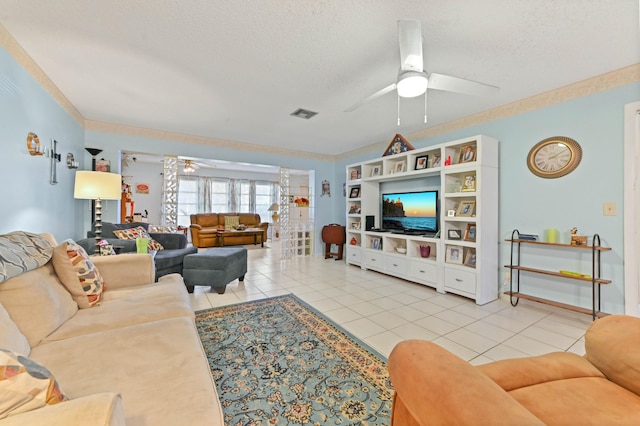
460, 280
395, 265
374, 260
423, 271
354, 255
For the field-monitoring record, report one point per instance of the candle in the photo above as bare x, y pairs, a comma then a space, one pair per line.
552, 235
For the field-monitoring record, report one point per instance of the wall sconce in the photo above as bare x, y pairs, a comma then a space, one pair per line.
71, 161
33, 144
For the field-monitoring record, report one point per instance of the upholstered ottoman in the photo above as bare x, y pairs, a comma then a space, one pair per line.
215, 267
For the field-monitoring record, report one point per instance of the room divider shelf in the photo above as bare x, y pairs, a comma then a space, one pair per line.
595, 278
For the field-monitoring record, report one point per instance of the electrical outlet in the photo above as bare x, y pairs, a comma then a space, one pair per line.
507, 276
609, 209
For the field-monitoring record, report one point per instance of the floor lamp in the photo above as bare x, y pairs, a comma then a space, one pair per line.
97, 186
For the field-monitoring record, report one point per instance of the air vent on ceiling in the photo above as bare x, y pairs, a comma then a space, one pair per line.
303, 113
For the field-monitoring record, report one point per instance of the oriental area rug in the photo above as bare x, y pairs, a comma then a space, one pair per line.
277, 361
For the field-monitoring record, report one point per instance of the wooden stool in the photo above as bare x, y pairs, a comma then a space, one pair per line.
333, 234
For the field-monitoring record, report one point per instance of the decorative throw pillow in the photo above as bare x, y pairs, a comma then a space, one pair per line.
138, 232
21, 252
78, 274
231, 222
10, 335
25, 385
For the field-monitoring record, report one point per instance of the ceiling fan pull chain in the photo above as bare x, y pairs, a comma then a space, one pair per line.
398, 110
425, 107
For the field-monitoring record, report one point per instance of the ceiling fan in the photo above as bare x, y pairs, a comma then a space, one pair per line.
413, 80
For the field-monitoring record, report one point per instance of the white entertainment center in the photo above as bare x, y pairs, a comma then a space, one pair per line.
463, 259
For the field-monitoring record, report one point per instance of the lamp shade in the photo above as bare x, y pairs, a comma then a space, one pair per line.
93, 185
273, 208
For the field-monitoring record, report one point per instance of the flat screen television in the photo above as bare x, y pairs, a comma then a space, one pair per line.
411, 212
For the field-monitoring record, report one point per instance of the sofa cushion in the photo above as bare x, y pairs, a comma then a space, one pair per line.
138, 232
108, 228
37, 302
11, 337
129, 306
78, 274
158, 367
21, 252
25, 385
231, 222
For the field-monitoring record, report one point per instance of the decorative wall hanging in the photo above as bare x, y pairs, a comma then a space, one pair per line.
71, 161
142, 188
33, 144
55, 158
397, 145
326, 188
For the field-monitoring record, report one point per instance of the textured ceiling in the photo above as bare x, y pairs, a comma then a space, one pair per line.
235, 70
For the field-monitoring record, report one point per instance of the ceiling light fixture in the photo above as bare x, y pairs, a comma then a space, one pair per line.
412, 83
188, 167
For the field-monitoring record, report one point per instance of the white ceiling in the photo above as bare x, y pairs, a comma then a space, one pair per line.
235, 70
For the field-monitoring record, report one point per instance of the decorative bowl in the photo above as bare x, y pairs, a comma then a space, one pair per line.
401, 250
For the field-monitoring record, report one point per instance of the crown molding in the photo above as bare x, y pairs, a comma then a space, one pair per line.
101, 126
25, 61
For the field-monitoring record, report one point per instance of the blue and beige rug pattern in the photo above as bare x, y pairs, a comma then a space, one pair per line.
278, 361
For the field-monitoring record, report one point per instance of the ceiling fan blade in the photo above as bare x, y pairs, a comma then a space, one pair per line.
410, 37
376, 95
460, 85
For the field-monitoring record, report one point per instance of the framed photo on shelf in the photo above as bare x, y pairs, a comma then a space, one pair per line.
421, 162
451, 213
399, 167
354, 175
436, 160
470, 258
376, 244
467, 153
375, 171
454, 255
470, 232
469, 183
355, 225
466, 208
454, 234
355, 192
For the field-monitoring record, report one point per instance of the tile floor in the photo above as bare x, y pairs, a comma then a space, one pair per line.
383, 310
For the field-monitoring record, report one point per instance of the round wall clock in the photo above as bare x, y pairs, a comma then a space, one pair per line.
554, 157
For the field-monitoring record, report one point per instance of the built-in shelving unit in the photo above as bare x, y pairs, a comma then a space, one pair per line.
594, 278
464, 258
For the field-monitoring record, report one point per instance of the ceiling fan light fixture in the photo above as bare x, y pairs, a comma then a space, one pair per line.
411, 84
188, 167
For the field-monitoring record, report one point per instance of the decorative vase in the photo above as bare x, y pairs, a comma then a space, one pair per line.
425, 251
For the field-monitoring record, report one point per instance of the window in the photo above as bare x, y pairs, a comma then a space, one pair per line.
187, 200
214, 195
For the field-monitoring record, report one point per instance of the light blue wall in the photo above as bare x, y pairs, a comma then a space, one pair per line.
532, 204
29, 201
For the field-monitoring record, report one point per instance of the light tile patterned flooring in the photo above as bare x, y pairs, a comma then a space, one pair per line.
383, 310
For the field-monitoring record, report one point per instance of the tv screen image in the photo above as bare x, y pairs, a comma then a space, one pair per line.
410, 211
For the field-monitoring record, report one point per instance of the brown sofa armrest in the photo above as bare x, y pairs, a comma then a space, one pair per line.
195, 226
435, 387
126, 270
517, 373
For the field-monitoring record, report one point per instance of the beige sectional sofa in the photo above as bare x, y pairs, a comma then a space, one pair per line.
135, 359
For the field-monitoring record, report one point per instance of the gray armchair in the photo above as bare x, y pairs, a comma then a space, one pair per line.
167, 261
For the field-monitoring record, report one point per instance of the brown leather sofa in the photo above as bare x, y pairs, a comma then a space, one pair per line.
435, 387
204, 227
